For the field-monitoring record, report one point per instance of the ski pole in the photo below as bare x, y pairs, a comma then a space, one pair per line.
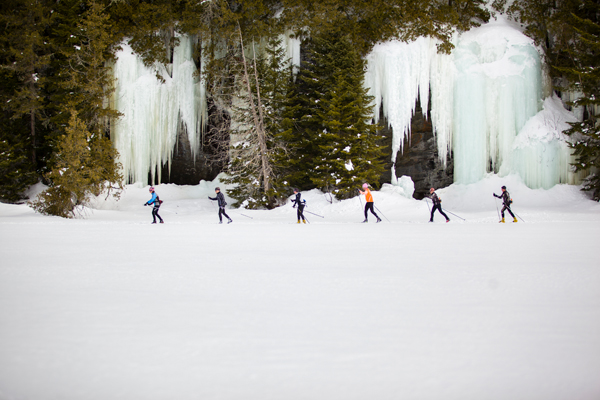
306, 219
426, 202
381, 213
454, 214
314, 214
498, 211
245, 216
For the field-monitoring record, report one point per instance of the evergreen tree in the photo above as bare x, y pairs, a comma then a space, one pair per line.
82, 166
329, 121
256, 120
584, 76
84, 161
26, 55
569, 32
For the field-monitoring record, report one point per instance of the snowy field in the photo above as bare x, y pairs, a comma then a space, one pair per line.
111, 307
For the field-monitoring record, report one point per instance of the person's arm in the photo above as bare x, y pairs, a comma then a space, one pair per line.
152, 199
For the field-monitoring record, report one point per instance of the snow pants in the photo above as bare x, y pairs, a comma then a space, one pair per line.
369, 205
221, 213
300, 213
439, 208
155, 214
506, 208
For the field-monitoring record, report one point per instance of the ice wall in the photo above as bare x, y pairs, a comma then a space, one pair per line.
541, 155
155, 111
482, 96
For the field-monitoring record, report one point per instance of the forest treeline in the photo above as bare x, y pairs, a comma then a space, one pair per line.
275, 129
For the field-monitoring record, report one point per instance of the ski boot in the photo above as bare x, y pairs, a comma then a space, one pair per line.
365, 221
303, 221
378, 220
298, 221
448, 220
230, 221
515, 220
502, 220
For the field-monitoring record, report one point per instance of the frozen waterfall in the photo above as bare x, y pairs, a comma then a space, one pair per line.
485, 100
154, 111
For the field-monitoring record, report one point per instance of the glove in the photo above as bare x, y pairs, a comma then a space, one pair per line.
145, 204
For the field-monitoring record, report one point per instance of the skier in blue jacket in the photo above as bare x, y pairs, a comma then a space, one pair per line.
156, 201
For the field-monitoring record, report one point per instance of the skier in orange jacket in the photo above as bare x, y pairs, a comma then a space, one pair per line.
369, 202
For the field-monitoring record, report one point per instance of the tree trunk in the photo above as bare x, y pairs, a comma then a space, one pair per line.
258, 120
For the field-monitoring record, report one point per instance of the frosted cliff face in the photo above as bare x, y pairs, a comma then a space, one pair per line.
487, 105
153, 111
482, 96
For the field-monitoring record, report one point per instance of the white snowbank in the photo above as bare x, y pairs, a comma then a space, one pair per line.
111, 307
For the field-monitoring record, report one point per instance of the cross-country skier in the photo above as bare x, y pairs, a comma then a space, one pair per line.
157, 202
506, 201
221, 202
369, 202
301, 204
437, 205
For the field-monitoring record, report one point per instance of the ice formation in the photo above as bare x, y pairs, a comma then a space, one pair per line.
486, 103
482, 95
155, 111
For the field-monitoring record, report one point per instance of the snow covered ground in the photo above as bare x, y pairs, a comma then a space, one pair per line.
111, 307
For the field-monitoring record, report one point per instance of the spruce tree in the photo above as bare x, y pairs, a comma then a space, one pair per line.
569, 32
329, 124
584, 76
256, 121
84, 162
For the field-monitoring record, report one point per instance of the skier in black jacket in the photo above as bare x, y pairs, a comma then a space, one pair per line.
506, 201
301, 204
437, 205
221, 202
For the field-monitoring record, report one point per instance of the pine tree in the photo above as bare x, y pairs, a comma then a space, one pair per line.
584, 76
26, 54
82, 166
334, 144
84, 161
569, 32
256, 120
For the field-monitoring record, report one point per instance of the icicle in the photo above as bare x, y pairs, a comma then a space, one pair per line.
292, 48
154, 111
397, 74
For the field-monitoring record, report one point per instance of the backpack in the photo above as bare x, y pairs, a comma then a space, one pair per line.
159, 200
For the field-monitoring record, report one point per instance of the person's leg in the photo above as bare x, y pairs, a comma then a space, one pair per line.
372, 207
510, 212
154, 213
366, 210
443, 213
225, 214
220, 214
432, 212
159, 217
299, 213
